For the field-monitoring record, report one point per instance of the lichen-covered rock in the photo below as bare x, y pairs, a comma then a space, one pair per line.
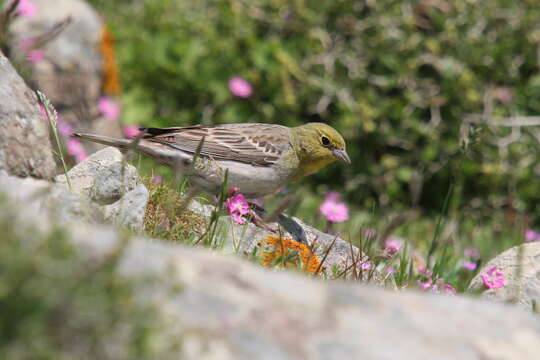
25, 147
130, 209
520, 267
104, 176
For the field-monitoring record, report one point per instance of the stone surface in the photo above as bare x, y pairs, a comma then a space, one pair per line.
25, 147
103, 176
72, 72
130, 209
521, 268
42, 200
225, 308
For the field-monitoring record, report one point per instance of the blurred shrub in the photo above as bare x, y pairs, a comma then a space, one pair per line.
398, 78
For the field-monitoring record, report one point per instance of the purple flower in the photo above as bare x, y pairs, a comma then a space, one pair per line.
157, 179
332, 209
469, 265
237, 206
240, 87
109, 108
131, 131
471, 253
26, 8
532, 236
35, 55
492, 278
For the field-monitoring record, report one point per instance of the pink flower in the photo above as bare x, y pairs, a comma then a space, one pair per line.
35, 55
157, 179
27, 43
532, 236
449, 289
469, 265
240, 87
471, 253
390, 270
332, 209
366, 265
74, 147
26, 8
425, 271
80, 157
109, 108
492, 278
131, 131
391, 246
233, 190
65, 129
424, 285
237, 206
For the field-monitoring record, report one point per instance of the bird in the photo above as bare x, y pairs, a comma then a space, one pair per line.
256, 158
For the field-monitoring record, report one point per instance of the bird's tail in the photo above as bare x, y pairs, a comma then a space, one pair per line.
105, 140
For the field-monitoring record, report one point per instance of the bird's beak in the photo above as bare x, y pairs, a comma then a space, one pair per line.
341, 155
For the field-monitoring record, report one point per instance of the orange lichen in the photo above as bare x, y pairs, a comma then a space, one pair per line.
111, 82
275, 248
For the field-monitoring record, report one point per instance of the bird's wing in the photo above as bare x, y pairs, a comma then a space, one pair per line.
257, 144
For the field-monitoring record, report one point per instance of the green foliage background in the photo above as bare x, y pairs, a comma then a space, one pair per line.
397, 78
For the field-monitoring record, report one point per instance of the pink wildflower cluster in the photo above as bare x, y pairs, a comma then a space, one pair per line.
492, 278
333, 209
240, 87
532, 235
436, 287
237, 207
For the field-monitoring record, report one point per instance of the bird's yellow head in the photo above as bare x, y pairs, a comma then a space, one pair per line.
318, 145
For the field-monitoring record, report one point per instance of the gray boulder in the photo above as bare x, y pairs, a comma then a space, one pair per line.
104, 176
130, 209
25, 148
520, 266
222, 307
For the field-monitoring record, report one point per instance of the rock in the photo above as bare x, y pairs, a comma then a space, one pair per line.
74, 71
25, 148
226, 308
129, 211
104, 176
41, 198
521, 268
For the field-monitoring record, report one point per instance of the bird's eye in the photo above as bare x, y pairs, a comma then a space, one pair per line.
325, 141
